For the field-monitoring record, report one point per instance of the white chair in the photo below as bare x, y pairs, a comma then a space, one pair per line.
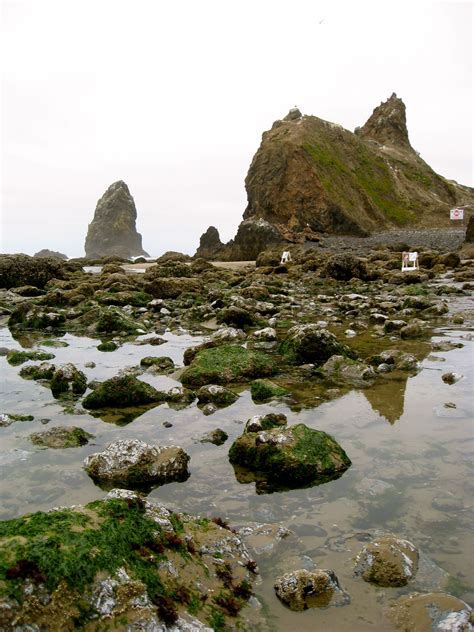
410, 261
285, 257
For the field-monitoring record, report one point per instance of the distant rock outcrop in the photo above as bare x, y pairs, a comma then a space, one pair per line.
113, 230
310, 177
470, 231
209, 244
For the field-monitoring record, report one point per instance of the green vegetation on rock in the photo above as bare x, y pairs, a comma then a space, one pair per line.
18, 357
262, 390
122, 392
225, 364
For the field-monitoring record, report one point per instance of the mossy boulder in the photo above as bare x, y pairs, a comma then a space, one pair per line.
124, 297
112, 320
61, 437
122, 392
135, 464
116, 560
160, 364
107, 346
169, 287
217, 437
263, 390
16, 358
431, 612
265, 422
20, 270
6, 419
67, 379
43, 371
226, 364
30, 316
342, 371
236, 317
294, 456
311, 344
303, 589
345, 266
217, 395
387, 561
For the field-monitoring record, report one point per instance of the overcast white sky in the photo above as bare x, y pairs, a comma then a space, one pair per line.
173, 97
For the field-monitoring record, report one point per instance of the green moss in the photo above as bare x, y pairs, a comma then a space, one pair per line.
122, 392
162, 364
227, 363
305, 455
112, 320
44, 371
62, 438
262, 390
368, 174
108, 345
18, 357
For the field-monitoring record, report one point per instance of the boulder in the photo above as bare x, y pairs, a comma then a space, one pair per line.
217, 395
29, 316
43, 371
226, 364
342, 371
469, 239
294, 457
217, 437
68, 379
236, 317
311, 343
122, 392
20, 270
61, 437
431, 612
113, 228
161, 364
303, 589
16, 358
345, 266
133, 463
265, 422
387, 561
263, 390
45, 254
121, 562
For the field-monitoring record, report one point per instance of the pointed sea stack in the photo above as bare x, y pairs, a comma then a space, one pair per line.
113, 230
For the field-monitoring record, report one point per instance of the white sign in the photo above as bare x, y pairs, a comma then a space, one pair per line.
456, 213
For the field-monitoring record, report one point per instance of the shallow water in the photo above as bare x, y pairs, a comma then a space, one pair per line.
411, 472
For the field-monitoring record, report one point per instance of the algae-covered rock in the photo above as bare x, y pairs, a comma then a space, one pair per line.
303, 589
19, 357
122, 392
345, 266
291, 457
112, 320
430, 612
20, 270
133, 463
341, 371
161, 364
387, 561
107, 346
29, 316
217, 437
263, 390
236, 316
225, 364
116, 560
43, 371
310, 343
6, 419
68, 379
265, 422
61, 437
217, 395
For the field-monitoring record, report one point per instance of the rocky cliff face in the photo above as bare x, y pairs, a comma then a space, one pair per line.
311, 177
113, 230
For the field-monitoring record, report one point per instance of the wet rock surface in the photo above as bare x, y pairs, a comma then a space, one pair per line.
303, 589
61, 437
133, 463
432, 612
388, 561
122, 558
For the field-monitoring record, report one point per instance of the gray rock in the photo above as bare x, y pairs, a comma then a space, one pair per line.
133, 463
303, 589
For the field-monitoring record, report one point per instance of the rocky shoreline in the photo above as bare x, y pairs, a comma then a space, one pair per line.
302, 333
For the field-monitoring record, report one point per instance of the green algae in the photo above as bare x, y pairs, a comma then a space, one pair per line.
227, 363
122, 392
19, 357
263, 390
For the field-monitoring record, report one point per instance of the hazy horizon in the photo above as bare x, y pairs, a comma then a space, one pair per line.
173, 99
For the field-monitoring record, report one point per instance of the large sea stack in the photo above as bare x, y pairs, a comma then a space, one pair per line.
311, 177
113, 230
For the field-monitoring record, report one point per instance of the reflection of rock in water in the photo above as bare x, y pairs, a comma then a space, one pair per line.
388, 398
